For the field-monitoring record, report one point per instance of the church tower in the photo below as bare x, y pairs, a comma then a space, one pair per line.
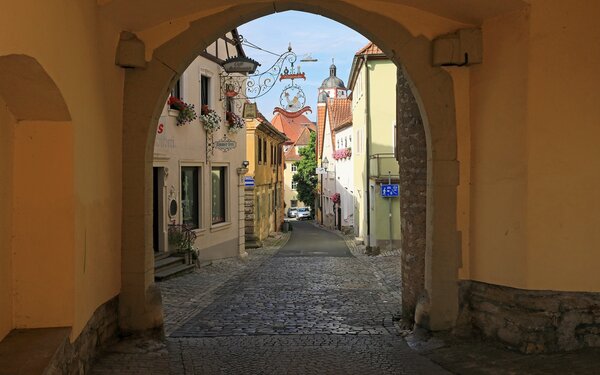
334, 88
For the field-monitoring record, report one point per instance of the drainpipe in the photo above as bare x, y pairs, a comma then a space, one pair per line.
368, 151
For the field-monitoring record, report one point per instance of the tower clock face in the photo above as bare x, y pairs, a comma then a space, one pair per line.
292, 98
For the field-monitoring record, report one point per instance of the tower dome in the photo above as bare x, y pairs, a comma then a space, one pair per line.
333, 82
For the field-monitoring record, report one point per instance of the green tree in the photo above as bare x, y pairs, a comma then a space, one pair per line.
305, 177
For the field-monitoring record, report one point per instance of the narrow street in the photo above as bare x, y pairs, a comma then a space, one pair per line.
305, 304
310, 307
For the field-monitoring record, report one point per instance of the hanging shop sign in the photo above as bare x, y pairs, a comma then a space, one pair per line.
225, 144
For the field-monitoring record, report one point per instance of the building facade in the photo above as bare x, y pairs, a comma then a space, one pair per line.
264, 207
297, 129
373, 84
337, 185
197, 183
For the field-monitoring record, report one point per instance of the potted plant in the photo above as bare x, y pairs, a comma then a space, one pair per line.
236, 123
181, 240
187, 112
210, 119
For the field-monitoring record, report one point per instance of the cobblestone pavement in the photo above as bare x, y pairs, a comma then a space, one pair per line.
311, 307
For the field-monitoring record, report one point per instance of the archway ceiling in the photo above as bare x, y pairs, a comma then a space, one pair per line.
137, 15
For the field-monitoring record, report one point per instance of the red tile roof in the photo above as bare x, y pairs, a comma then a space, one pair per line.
339, 112
321, 112
292, 126
369, 49
291, 154
303, 140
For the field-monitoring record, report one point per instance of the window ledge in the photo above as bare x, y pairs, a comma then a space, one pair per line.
173, 112
219, 227
199, 231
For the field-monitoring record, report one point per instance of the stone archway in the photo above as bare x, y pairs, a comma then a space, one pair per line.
37, 200
146, 90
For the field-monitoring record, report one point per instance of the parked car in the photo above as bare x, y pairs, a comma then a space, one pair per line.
292, 212
303, 213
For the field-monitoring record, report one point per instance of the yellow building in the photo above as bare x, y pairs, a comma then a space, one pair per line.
297, 129
372, 81
264, 181
508, 95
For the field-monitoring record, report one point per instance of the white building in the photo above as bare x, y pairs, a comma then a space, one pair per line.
198, 174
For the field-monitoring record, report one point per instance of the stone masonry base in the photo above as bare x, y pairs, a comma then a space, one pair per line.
101, 330
530, 321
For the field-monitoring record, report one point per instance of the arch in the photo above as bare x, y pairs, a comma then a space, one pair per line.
36, 199
146, 90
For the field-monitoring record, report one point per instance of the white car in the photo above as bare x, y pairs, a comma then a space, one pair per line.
303, 213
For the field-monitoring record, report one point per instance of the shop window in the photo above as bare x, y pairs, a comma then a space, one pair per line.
190, 197
219, 194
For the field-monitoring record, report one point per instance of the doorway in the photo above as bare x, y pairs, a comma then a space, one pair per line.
158, 211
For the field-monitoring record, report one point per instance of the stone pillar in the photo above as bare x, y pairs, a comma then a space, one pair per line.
412, 158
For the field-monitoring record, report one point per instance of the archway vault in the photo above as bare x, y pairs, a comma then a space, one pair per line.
147, 89
37, 226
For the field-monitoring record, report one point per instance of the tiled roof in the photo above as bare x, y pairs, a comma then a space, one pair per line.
292, 127
339, 112
321, 112
291, 154
369, 49
304, 138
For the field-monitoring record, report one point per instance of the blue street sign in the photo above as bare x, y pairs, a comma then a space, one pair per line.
389, 190
248, 181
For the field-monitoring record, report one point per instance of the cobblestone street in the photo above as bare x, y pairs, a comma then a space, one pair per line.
308, 302
309, 307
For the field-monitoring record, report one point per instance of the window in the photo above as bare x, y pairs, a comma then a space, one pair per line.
218, 194
294, 185
265, 151
273, 154
259, 150
190, 197
294, 167
294, 203
177, 91
205, 90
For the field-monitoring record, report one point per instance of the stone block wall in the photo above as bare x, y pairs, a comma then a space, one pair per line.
531, 321
100, 331
411, 153
252, 240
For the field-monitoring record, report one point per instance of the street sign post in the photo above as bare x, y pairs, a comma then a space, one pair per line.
320, 170
390, 190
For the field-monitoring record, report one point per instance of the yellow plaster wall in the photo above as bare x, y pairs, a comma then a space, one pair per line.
564, 146
77, 49
498, 117
534, 147
43, 231
7, 124
382, 91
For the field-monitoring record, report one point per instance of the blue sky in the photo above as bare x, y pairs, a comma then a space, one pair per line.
323, 38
